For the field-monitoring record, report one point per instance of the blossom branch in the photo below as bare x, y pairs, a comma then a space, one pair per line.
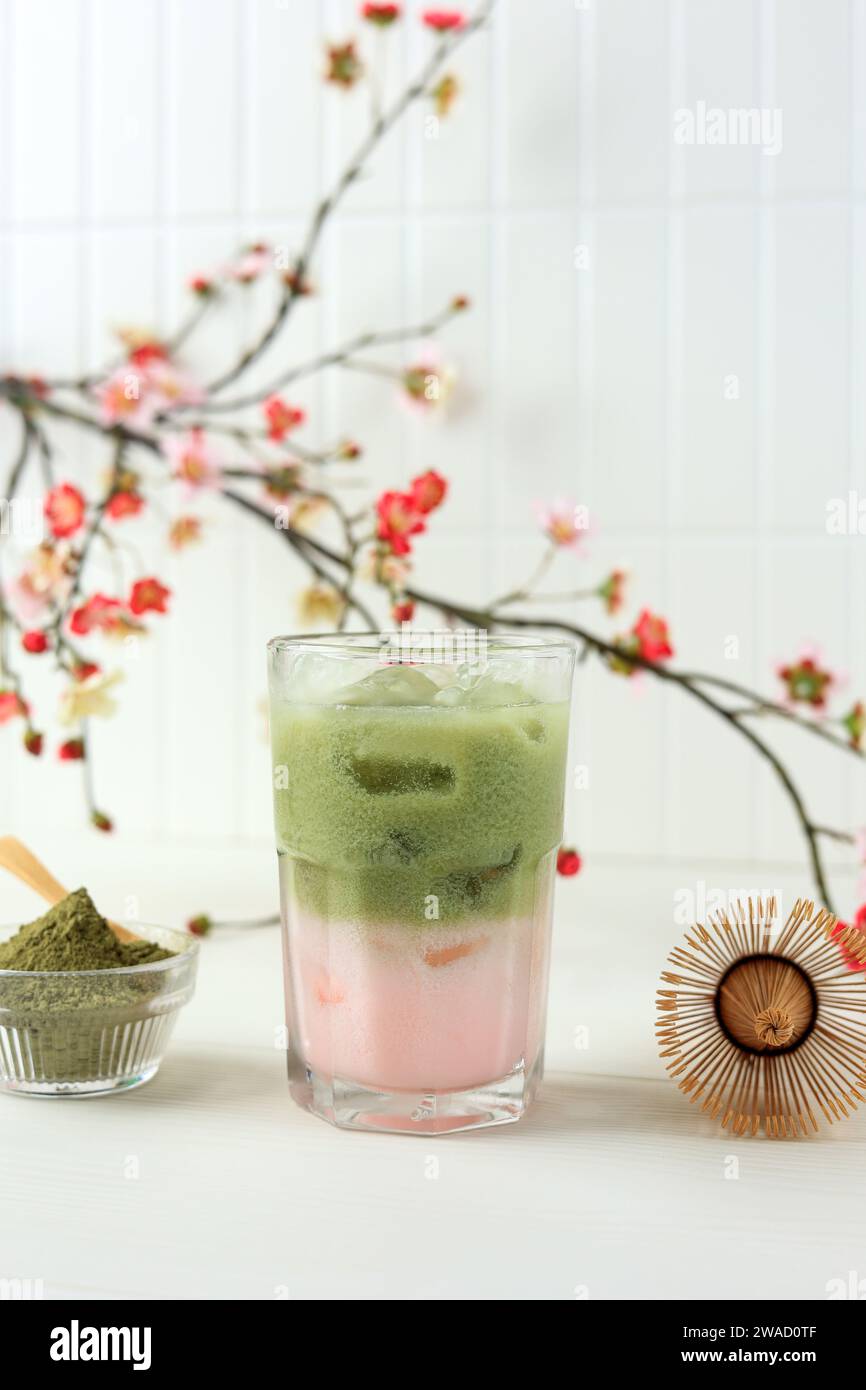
690, 682
380, 126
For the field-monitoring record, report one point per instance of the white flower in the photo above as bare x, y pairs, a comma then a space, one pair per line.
88, 698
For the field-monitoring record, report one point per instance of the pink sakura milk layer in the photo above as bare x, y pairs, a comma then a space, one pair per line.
432, 1009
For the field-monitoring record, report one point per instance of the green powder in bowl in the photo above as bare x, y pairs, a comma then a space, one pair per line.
82, 1012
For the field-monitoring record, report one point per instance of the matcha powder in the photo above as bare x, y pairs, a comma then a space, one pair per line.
69, 1032
73, 936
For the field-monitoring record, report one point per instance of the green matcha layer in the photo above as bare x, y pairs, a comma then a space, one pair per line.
381, 807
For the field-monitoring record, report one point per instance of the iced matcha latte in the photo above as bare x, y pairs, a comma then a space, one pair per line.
418, 809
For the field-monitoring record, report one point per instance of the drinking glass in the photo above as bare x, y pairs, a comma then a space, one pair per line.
418, 799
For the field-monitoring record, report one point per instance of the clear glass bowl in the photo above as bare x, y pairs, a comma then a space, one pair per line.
91, 1032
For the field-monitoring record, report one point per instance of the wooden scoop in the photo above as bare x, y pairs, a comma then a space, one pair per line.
24, 865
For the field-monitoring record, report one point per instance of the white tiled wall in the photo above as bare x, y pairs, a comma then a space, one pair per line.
619, 280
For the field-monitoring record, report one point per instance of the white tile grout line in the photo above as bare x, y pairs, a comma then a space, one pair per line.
857, 327
411, 253
244, 673
6, 145
497, 283
329, 258
447, 212
86, 246
765, 32
671, 744
8, 347
165, 265
586, 41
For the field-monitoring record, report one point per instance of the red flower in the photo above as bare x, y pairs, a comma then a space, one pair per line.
84, 669
852, 959
124, 504
807, 682
281, 417
855, 723
612, 591
34, 642
146, 353
33, 742
199, 926
71, 751
64, 510
344, 66
99, 612
398, 520
11, 705
148, 595
428, 491
101, 821
403, 612
568, 862
443, 20
459, 303
202, 286
348, 451
652, 637
383, 15
298, 284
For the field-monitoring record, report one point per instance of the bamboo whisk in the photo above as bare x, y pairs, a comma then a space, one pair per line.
768, 1027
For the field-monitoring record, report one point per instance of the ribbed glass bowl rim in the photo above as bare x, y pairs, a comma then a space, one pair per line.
371, 643
188, 949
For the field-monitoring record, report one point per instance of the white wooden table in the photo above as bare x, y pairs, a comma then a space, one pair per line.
210, 1183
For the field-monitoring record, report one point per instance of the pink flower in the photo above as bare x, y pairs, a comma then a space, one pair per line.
11, 705
191, 458
251, 264
426, 382
184, 531
564, 522
64, 508
443, 20
45, 579
126, 398
169, 386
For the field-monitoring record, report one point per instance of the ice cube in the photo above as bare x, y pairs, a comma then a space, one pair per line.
490, 691
392, 777
392, 685
449, 696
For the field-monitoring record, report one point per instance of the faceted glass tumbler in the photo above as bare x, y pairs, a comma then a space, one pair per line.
418, 795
